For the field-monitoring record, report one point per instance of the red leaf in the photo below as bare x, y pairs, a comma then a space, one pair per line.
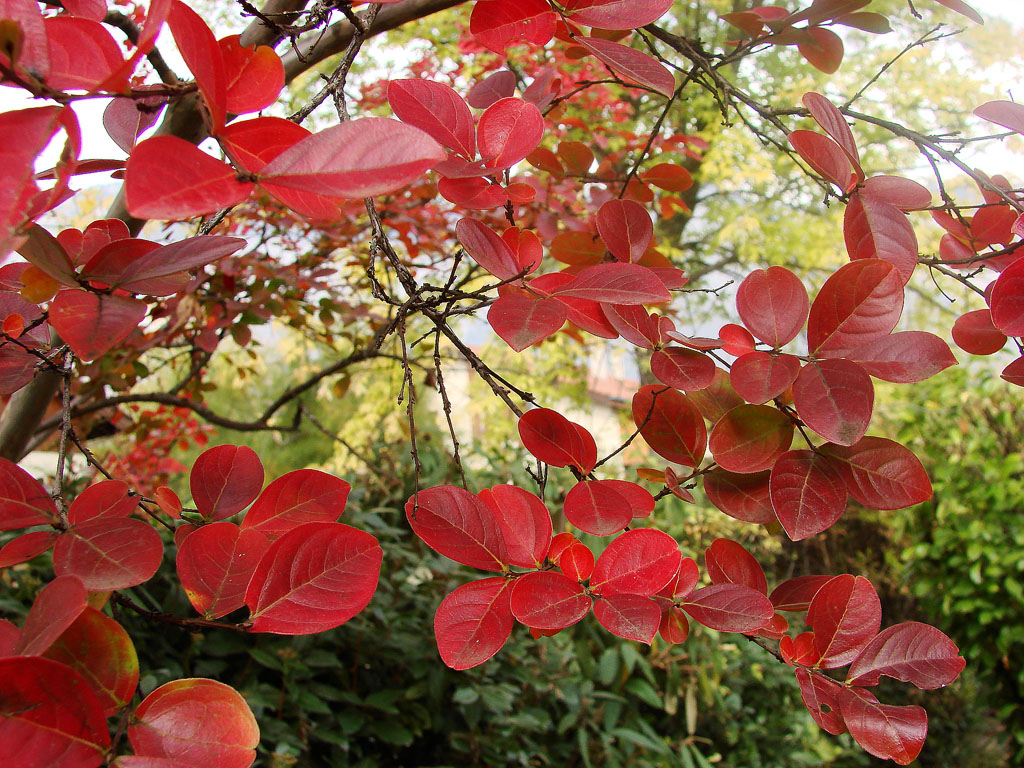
626, 229
34, 53
522, 319
437, 109
497, 25
497, 85
93, 324
750, 438
630, 64
555, 440
670, 424
825, 157
974, 333
109, 498
193, 184
314, 578
741, 496
253, 76
526, 247
832, 121
820, 695
109, 553
487, 248
1008, 114
508, 131
1014, 372
808, 493
885, 731
525, 523
823, 50
729, 608
634, 324
629, 616
297, 497
45, 252
683, 369
799, 650
875, 229
577, 561
358, 158
125, 119
473, 622
458, 525
641, 503
100, 650
904, 358
596, 507
905, 194
671, 178
162, 271
254, 143
796, 594
684, 582
911, 652
224, 480
55, 609
835, 398
759, 377
638, 562
548, 600
727, 562
736, 340
845, 614
1006, 300
25, 547
773, 304
195, 721
882, 474
962, 8
616, 14
198, 47
82, 53
23, 501
674, 627
474, 193
860, 303
49, 716
215, 564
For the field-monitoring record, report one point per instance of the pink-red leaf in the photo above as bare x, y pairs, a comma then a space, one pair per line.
885, 731
497, 25
962, 8
832, 121
473, 622
437, 109
858, 304
253, 76
455, 523
630, 64
773, 304
823, 49
845, 615
487, 248
215, 564
683, 369
508, 131
741, 496
23, 501
904, 358
905, 194
820, 695
759, 377
626, 229
876, 229
314, 578
727, 562
596, 507
109, 553
525, 523
224, 480
555, 440
616, 14
911, 652
808, 493
670, 424
193, 184
49, 716
796, 594
25, 547
358, 158
497, 85
882, 474
297, 497
974, 333
630, 616
198, 47
548, 600
93, 324
729, 608
1008, 114
638, 562
523, 319
835, 398
55, 609
750, 438
1006, 300
195, 721
825, 157
616, 283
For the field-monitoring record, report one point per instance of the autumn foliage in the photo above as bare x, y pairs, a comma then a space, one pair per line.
482, 210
